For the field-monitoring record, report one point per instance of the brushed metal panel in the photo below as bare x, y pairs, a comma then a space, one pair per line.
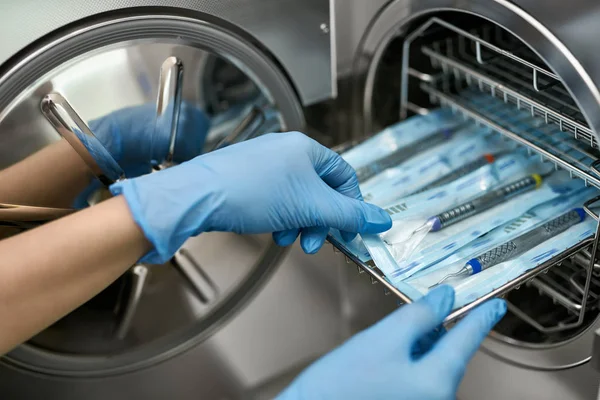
289, 29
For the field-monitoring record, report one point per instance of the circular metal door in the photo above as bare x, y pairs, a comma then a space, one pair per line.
520, 339
62, 88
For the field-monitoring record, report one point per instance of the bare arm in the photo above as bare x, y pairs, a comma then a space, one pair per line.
52, 177
47, 272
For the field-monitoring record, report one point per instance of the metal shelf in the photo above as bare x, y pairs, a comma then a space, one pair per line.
502, 80
502, 85
551, 144
515, 71
565, 286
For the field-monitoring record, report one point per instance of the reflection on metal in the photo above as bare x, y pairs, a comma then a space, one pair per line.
552, 146
374, 273
76, 132
19, 213
168, 104
568, 146
247, 129
478, 42
104, 91
139, 275
198, 280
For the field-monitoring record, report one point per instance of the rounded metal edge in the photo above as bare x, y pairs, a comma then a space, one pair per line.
211, 324
400, 13
162, 349
397, 15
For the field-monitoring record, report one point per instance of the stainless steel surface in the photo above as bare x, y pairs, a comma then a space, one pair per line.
596, 351
168, 105
247, 128
74, 130
562, 49
105, 76
292, 34
325, 299
139, 274
525, 83
492, 379
310, 318
563, 286
352, 18
512, 74
199, 281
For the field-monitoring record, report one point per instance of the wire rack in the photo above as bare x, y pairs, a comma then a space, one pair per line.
564, 284
514, 72
495, 81
549, 142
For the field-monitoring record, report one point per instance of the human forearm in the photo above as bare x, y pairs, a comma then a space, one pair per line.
52, 177
49, 271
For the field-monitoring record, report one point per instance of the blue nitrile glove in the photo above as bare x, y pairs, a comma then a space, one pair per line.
402, 357
277, 182
130, 137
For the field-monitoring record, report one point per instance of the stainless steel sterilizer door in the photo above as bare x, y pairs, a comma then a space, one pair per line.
215, 69
535, 58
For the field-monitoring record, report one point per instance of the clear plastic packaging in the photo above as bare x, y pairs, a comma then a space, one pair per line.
476, 286
471, 149
399, 136
436, 246
510, 230
442, 214
412, 216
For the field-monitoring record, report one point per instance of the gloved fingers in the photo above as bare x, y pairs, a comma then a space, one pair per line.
286, 238
313, 239
350, 215
348, 236
426, 343
335, 171
109, 134
412, 322
427, 314
461, 343
134, 132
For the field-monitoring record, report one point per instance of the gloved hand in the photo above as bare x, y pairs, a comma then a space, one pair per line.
402, 357
130, 137
283, 182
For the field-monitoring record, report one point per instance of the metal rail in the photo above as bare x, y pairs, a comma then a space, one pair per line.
547, 122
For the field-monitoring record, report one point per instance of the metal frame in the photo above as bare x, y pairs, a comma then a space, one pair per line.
224, 43
583, 165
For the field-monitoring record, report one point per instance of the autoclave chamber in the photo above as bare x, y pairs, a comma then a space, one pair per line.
531, 56
162, 61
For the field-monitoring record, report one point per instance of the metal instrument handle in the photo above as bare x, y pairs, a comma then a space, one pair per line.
486, 201
456, 174
197, 279
139, 275
78, 134
529, 240
168, 104
247, 128
405, 153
